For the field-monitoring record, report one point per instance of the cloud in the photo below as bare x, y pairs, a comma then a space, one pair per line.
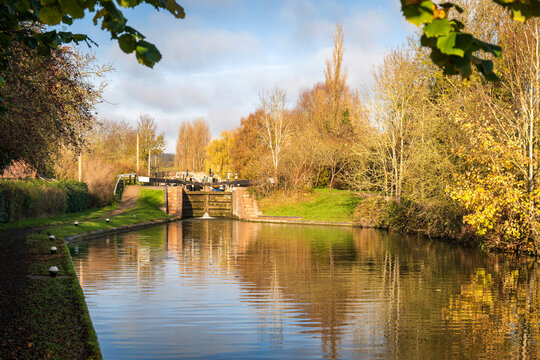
217, 62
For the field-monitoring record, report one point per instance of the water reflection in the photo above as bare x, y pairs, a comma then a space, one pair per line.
229, 289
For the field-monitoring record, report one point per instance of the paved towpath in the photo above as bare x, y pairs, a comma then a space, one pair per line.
129, 199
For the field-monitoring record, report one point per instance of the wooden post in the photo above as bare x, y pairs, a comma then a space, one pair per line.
137, 152
149, 161
80, 167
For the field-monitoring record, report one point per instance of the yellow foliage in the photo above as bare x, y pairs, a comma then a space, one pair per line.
493, 190
218, 154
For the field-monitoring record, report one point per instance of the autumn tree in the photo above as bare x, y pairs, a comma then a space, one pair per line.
499, 184
331, 111
191, 144
218, 154
150, 141
248, 154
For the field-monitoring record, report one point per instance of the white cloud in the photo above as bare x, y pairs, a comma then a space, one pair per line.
217, 70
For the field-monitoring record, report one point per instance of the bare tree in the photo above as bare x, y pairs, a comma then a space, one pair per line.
191, 144
273, 125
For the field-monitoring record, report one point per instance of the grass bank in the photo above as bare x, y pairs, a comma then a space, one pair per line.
52, 311
317, 205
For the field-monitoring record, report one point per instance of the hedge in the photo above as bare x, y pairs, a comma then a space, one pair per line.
26, 199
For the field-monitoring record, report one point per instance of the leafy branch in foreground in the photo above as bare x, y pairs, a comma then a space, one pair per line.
23, 21
453, 50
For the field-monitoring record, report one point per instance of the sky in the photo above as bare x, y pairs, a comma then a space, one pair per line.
225, 53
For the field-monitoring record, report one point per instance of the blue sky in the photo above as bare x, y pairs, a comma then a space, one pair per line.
218, 60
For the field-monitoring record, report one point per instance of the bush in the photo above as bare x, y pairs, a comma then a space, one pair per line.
101, 177
442, 219
77, 194
24, 199
371, 212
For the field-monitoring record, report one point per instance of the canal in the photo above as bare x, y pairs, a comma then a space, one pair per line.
225, 289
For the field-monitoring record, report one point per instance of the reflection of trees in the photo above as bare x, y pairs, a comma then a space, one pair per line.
365, 293
139, 253
501, 312
298, 272
433, 305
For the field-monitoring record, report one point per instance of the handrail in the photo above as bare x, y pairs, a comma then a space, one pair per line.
122, 177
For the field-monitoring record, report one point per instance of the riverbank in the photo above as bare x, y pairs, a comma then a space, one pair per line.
44, 317
368, 210
318, 205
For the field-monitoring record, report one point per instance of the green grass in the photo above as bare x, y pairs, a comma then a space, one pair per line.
54, 312
59, 219
320, 205
147, 209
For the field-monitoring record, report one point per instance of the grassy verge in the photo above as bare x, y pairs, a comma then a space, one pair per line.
55, 314
147, 209
319, 205
59, 219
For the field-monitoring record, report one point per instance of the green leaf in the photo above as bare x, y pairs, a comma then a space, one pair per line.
147, 53
487, 47
438, 27
129, 3
72, 7
50, 15
127, 43
132, 31
518, 15
521, 10
5, 41
31, 42
175, 9
418, 14
486, 68
2, 82
449, 5
462, 64
66, 19
446, 44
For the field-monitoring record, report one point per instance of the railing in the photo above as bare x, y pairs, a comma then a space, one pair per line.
123, 180
133, 179
235, 183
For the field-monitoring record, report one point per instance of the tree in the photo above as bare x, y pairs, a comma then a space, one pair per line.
331, 111
218, 154
499, 185
150, 140
248, 154
49, 105
453, 50
273, 127
191, 144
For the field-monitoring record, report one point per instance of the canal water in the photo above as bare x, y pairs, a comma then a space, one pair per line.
225, 289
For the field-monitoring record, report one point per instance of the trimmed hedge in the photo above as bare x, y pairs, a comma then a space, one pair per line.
27, 199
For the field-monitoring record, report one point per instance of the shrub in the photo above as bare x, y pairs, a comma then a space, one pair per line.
443, 219
77, 195
371, 212
101, 177
23, 199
